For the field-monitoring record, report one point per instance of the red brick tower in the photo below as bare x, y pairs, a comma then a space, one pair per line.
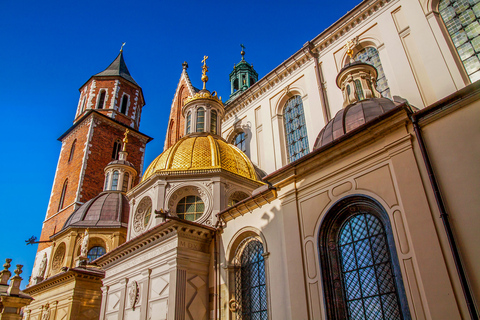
110, 102
176, 122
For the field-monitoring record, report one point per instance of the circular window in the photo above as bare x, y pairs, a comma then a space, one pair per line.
58, 257
190, 208
142, 215
95, 252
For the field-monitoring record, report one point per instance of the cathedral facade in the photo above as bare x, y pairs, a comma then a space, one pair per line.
340, 185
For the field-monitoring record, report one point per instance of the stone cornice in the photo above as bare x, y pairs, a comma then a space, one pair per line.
312, 48
171, 227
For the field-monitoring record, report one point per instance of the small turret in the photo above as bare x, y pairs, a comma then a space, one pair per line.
243, 75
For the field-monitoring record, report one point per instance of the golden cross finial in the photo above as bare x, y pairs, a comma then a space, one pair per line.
204, 71
349, 45
125, 140
121, 49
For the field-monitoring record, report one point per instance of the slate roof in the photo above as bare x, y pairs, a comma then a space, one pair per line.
118, 68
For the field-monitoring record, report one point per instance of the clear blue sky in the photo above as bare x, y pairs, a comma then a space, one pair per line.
48, 49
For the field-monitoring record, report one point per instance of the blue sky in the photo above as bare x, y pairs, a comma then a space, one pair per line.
50, 48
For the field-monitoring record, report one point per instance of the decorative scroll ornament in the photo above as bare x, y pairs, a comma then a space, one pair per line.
144, 208
58, 257
134, 294
233, 305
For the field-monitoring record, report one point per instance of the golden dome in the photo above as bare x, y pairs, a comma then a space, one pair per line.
202, 153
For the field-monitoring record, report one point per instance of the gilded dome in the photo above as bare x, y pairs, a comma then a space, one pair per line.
202, 153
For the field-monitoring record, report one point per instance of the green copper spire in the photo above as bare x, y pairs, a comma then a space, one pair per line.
243, 75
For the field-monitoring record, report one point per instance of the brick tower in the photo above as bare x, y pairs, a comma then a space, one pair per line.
176, 122
110, 102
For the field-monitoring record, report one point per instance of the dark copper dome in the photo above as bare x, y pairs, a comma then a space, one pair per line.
352, 117
107, 210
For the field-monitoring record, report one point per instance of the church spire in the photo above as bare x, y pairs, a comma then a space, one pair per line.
243, 75
118, 68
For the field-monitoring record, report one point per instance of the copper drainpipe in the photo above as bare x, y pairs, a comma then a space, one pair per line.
446, 222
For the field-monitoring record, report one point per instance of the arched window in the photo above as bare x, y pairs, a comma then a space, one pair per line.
123, 108
295, 129
115, 180
126, 177
189, 122
250, 280
359, 90
62, 196
213, 122
200, 120
370, 55
361, 274
95, 252
83, 104
190, 208
107, 177
72, 150
239, 141
101, 99
462, 20
117, 146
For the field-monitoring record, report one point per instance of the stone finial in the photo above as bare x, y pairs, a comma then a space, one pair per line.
14, 288
185, 65
5, 273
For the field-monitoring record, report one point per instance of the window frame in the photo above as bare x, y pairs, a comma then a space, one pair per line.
197, 122
61, 202
102, 96
289, 135
72, 150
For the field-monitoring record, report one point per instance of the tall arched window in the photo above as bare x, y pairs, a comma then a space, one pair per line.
62, 196
126, 177
123, 108
358, 90
115, 180
295, 129
83, 104
117, 146
462, 20
213, 122
239, 141
250, 280
370, 55
361, 274
101, 99
200, 120
189, 122
72, 150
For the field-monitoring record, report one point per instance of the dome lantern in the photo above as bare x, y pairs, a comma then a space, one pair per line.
120, 174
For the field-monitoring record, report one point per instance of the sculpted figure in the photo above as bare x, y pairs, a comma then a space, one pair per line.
84, 249
42, 267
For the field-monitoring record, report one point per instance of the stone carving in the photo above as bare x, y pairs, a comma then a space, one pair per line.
84, 249
58, 257
134, 294
42, 267
46, 312
144, 207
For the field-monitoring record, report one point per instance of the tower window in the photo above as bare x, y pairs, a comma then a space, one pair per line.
200, 120
357, 250
190, 208
235, 84
370, 55
250, 280
107, 177
189, 122
95, 252
62, 196
213, 122
126, 177
72, 150
83, 104
239, 141
295, 129
101, 99
115, 180
123, 108
117, 146
359, 90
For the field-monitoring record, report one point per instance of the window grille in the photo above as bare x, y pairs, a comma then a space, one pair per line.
462, 20
370, 55
115, 180
200, 120
190, 208
213, 122
295, 129
95, 252
250, 281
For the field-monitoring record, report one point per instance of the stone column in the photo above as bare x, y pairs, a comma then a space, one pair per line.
103, 307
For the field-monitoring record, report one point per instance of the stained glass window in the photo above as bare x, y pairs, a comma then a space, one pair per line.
95, 252
213, 122
359, 264
189, 122
368, 280
190, 208
200, 120
461, 18
370, 55
295, 129
115, 180
250, 281
239, 141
